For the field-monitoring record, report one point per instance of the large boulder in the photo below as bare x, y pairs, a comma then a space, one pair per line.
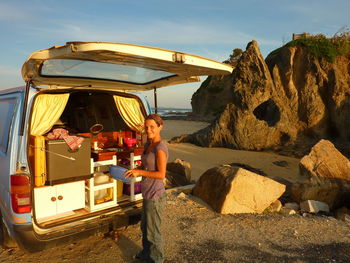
181, 167
326, 161
231, 190
327, 174
178, 173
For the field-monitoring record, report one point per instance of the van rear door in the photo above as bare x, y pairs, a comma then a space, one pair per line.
115, 66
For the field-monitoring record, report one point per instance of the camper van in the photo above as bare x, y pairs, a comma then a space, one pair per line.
67, 136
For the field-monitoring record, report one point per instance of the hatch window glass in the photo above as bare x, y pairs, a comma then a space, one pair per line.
101, 70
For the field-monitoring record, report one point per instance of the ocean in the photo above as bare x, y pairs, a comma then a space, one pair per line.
170, 112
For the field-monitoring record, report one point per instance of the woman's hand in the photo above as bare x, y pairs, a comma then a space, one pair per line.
132, 173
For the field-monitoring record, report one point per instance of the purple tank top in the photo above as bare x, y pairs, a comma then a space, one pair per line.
152, 188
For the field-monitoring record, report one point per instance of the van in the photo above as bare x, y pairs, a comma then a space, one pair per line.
66, 134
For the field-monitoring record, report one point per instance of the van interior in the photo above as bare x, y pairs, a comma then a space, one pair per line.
80, 144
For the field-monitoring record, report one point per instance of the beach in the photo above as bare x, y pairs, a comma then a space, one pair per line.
195, 233
203, 158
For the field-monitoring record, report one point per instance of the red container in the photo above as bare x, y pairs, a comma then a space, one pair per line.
129, 142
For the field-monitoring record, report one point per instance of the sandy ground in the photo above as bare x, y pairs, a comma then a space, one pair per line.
202, 158
194, 233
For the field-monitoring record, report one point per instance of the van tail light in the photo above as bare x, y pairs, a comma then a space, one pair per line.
20, 193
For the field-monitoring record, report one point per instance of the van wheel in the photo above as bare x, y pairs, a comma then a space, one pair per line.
5, 240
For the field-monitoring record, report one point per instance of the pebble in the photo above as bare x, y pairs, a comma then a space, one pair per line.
182, 195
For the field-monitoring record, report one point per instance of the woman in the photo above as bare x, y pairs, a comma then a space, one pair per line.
153, 169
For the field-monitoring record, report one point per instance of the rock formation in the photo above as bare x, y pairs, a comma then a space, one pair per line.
290, 100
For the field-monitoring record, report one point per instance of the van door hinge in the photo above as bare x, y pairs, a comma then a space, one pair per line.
179, 57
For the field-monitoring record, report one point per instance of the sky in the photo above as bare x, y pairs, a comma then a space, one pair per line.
206, 28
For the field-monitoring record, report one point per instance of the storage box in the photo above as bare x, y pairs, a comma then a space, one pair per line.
64, 165
102, 155
137, 188
117, 173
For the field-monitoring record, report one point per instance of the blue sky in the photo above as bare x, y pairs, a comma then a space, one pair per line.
207, 28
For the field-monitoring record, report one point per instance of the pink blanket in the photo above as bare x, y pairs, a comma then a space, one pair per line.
74, 142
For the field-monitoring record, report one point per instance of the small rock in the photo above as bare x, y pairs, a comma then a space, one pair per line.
288, 211
342, 213
182, 195
313, 206
280, 163
293, 205
347, 218
274, 207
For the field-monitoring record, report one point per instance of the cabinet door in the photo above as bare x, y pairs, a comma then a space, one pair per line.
70, 196
45, 201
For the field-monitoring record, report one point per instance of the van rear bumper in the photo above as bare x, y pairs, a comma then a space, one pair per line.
29, 240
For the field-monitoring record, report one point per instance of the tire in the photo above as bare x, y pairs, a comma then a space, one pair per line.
5, 240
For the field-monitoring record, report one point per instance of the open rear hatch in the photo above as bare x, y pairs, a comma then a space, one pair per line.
115, 66
71, 77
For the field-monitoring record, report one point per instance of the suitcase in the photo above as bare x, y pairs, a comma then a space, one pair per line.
65, 165
37, 158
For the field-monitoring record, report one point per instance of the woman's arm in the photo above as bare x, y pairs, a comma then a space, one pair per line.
159, 174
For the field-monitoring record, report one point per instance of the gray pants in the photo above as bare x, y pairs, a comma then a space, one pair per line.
151, 221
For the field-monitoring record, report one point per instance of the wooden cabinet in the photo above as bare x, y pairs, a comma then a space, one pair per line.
57, 199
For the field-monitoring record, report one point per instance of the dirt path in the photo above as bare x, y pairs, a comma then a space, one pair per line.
195, 234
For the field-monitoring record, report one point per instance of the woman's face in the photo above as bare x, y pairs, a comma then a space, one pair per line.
152, 130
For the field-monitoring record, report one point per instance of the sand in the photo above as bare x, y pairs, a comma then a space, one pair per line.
202, 158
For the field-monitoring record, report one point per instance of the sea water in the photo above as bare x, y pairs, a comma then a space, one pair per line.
169, 112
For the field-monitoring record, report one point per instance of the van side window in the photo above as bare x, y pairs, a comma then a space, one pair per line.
7, 107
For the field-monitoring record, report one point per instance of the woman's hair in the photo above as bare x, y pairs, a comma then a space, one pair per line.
157, 119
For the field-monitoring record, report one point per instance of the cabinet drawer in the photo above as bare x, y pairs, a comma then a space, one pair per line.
52, 200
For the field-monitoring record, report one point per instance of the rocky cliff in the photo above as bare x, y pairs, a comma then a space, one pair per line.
286, 102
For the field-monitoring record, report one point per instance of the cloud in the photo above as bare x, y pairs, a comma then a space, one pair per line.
8, 71
151, 32
322, 12
10, 12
